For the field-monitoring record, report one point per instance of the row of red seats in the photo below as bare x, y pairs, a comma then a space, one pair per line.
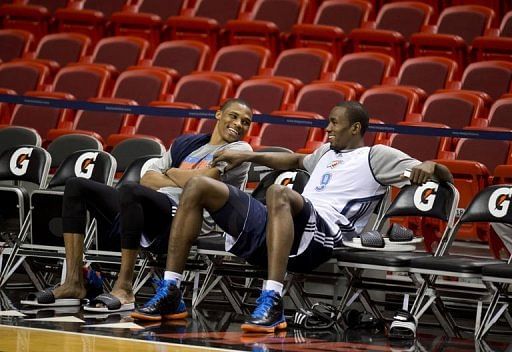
339, 26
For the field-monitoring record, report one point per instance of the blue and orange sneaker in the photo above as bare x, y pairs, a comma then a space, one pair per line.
268, 314
167, 303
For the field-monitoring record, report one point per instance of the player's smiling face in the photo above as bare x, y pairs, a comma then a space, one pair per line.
341, 133
234, 122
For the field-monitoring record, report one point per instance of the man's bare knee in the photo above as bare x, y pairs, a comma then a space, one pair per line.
277, 196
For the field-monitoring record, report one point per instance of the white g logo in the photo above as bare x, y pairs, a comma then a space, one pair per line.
499, 202
425, 196
20, 160
286, 179
84, 165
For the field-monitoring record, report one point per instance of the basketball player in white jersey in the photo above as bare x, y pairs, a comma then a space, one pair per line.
293, 231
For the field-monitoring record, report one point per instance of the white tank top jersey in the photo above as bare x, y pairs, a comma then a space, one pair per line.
344, 187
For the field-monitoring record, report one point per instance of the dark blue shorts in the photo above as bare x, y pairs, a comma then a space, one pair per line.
245, 219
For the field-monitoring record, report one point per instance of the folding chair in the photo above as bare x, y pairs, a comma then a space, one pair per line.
20, 163
489, 205
432, 200
43, 221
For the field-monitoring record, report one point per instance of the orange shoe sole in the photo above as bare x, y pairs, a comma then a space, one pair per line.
182, 315
263, 329
140, 316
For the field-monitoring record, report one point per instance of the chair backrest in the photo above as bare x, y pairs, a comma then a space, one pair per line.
244, 59
220, 11
406, 17
389, 104
83, 82
492, 204
14, 43
266, 94
367, 69
305, 64
284, 13
22, 76
184, 56
15, 136
136, 170
346, 14
294, 179
491, 77
466, 21
50, 5
90, 164
143, 85
432, 199
104, 123
429, 73
107, 8
205, 89
133, 148
455, 109
120, 52
421, 147
489, 152
41, 118
506, 25
63, 146
25, 163
162, 8
322, 96
500, 114
62, 47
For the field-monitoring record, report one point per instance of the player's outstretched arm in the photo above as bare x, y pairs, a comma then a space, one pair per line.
276, 160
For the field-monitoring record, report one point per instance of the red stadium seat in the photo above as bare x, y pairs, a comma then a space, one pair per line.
14, 43
143, 85
83, 82
179, 57
23, 76
363, 70
34, 16
320, 97
428, 73
89, 17
454, 109
500, 114
204, 22
268, 23
301, 66
99, 124
390, 33
455, 30
390, 104
497, 43
334, 20
146, 19
118, 53
58, 50
241, 62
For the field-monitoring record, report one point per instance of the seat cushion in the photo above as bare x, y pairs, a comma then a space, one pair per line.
453, 263
213, 242
498, 270
390, 259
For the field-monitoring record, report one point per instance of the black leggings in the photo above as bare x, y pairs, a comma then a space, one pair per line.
137, 209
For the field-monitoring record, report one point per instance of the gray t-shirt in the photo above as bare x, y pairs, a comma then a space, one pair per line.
200, 159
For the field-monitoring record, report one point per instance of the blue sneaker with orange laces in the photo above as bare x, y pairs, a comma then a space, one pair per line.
167, 303
268, 314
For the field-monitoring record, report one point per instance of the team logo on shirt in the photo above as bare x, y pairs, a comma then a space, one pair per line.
425, 196
499, 202
84, 165
20, 160
334, 163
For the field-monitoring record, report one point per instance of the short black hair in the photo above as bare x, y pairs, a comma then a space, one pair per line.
227, 103
356, 112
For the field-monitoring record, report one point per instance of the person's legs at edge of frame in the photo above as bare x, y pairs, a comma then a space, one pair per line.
81, 195
199, 193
